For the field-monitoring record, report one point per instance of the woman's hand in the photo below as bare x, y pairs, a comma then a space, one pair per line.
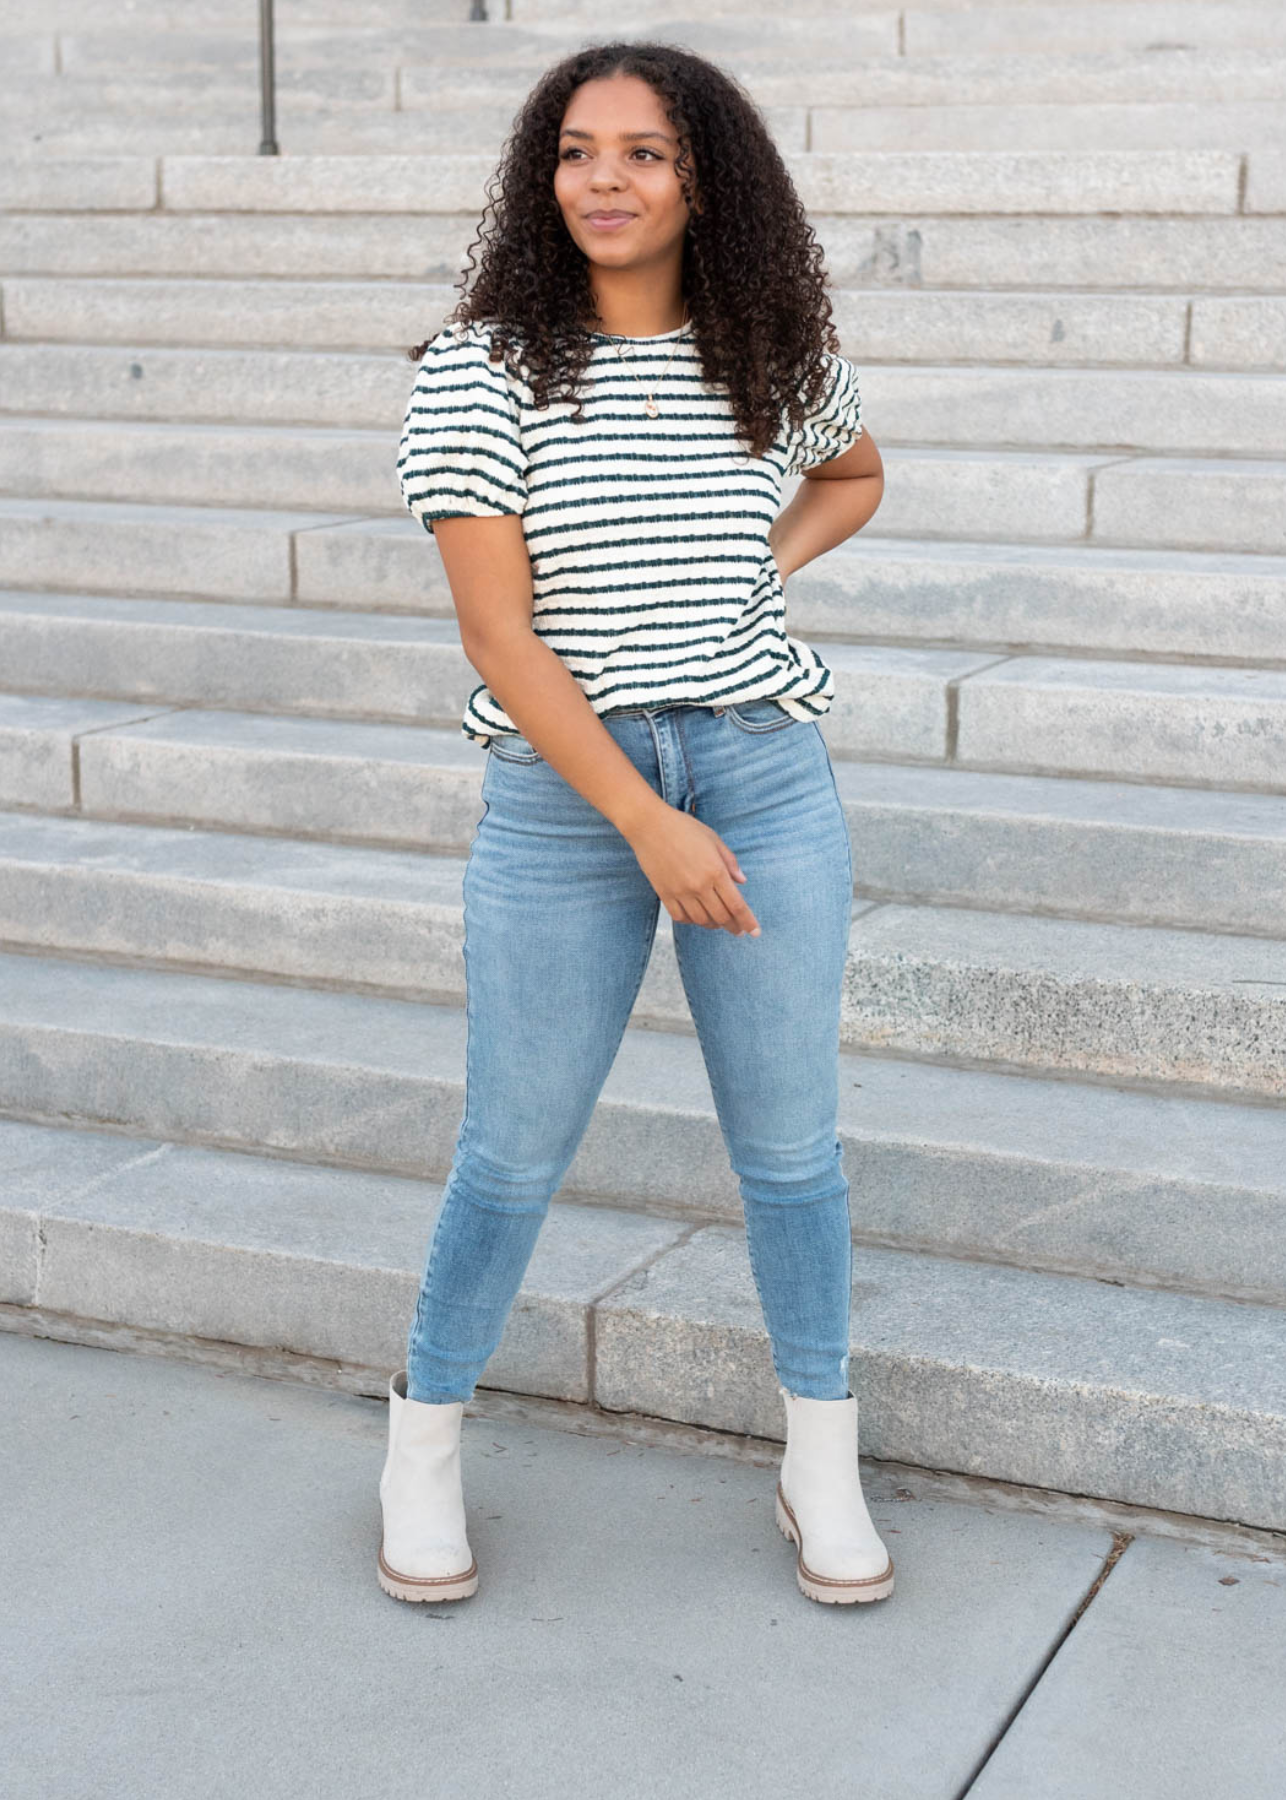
693, 871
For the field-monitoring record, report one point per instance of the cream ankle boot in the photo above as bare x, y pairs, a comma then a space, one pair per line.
425, 1552
821, 1507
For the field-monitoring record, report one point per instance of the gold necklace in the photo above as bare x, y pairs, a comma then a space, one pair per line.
650, 406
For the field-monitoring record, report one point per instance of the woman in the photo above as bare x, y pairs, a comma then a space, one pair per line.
597, 439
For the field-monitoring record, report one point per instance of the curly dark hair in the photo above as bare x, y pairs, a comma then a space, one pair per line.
753, 274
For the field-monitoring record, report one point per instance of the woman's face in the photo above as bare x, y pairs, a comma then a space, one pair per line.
616, 154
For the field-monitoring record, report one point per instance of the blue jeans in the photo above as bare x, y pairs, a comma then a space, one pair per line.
559, 921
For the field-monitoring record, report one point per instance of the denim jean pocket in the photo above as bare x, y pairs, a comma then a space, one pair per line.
511, 746
760, 715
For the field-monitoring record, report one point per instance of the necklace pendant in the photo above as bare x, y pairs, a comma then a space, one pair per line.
651, 408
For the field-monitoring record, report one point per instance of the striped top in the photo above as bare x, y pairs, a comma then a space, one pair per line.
652, 576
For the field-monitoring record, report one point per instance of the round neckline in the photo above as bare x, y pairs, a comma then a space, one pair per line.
658, 337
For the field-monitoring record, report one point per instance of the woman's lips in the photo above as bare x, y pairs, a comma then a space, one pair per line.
608, 221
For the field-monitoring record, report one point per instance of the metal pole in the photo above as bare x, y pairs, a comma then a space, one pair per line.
267, 83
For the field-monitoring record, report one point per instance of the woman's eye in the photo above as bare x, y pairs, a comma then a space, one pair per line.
641, 151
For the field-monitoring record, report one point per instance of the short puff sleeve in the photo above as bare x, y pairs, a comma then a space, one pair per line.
835, 422
461, 453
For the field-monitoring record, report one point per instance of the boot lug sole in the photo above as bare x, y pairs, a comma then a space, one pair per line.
829, 1591
428, 1587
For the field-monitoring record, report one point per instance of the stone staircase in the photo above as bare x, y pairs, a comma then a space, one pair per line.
237, 803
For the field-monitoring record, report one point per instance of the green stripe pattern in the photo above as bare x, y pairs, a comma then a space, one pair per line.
652, 576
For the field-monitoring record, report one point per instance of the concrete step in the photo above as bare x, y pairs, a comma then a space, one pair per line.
235, 129
319, 776
225, 122
80, 184
42, 754
1086, 716
747, 42
1172, 72
354, 392
1003, 597
1108, 1002
1053, 329
1201, 727
1058, 28
1157, 1363
1210, 505
1173, 75
410, 669
225, 131
453, 42
1027, 125
40, 746
1142, 181
68, 134
1109, 851
1078, 499
343, 1244
205, 551
229, 15
526, 10
1138, 330
54, 541
1105, 1001
1154, 1398
265, 659
148, 90
235, 467
28, 16
1189, 182
1181, 502
742, 38
1239, 255
1060, 1176
34, 54
875, 588
1216, 727
1126, 411
1188, 412
1196, 728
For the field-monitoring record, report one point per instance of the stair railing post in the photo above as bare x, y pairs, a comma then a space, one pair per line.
267, 83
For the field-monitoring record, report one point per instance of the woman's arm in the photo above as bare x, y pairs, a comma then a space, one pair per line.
489, 569
834, 500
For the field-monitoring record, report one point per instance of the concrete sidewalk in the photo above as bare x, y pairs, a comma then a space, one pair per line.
191, 1610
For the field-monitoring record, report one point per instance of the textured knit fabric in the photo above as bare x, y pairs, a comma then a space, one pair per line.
652, 576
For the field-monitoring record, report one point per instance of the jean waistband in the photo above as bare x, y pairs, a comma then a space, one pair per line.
638, 712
